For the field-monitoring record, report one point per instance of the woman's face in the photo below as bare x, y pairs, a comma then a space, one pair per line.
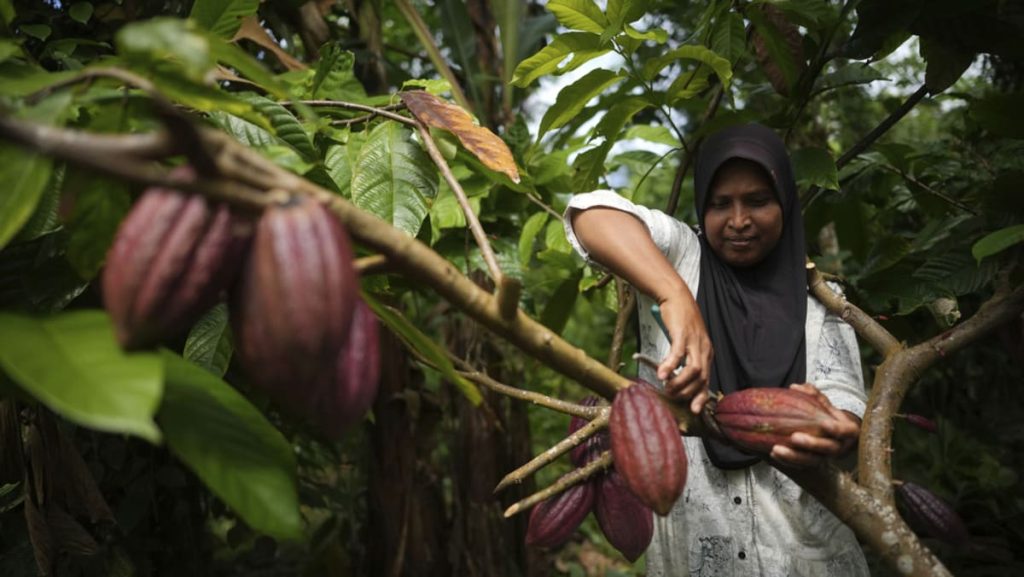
743, 218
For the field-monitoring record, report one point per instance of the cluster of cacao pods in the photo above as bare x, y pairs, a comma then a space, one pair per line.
648, 476
304, 336
758, 419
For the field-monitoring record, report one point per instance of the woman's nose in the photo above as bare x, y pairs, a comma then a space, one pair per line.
739, 217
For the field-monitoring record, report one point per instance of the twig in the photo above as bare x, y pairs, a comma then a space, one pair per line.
576, 476
868, 328
928, 189
384, 111
460, 195
688, 155
585, 432
568, 408
371, 265
627, 297
124, 76
533, 198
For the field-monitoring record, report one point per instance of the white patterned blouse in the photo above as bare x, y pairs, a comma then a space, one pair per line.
755, 521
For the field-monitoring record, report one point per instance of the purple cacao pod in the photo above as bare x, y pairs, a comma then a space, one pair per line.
646, 446
592, 448
627, 523
554, 520
171, 258
760, 418
293, 308
347, 399
931, 516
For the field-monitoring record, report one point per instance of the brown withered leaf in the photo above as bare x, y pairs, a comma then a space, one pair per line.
790, 34
251, 30
480, 141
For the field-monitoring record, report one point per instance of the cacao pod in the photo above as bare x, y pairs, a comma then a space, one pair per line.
931, 516
921, 422
293, 308
554, 520
646, 446
596, 444
627, 523
347, 399
171, 258
760, 418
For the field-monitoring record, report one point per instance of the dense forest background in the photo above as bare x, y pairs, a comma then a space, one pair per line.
908, 142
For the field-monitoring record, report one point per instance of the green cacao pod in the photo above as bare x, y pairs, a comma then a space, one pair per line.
646, 446
929, 515
760, 418
627, 523
293, 308
554, 520
350, 396
596, 444
171, 258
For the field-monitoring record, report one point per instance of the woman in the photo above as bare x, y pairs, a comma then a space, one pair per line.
734, 301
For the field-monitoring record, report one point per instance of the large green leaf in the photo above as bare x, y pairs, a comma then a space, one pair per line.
946, 62
394, 177
814, 166
559, 306
589, 167
334, 78
531, 229
729, 38
998, 241
622, 12
422, 345
72, 364
99, 206
285, 126
24, 175
583, 46
232, 55
210, 343
574, 97
167, 40
232, 447
579, 15
223, 17
721, 67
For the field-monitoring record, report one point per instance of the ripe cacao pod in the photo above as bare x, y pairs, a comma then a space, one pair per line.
554, 520
293, 308
352, 393
171, 258
646, 446
627, 523
760, 418
596, 444
931, 516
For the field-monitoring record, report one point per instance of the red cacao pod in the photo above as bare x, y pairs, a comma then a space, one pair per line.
627, 523
554, 520
596, 444
931, 516
293, 308
760, 418
171, 258
347, 399
646, 446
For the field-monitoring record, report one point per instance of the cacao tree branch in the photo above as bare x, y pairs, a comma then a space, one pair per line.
385, 111
554, 404
899, 372
371, 265
124, 76
868, 328
565, 445
564, 482
627, 298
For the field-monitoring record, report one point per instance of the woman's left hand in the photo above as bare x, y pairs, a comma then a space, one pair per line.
806, 450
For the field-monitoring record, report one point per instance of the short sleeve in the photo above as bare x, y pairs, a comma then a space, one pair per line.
673, 238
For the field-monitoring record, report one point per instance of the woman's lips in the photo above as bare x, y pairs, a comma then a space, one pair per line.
741, 242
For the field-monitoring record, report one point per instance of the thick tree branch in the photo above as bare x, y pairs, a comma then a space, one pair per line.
868, 328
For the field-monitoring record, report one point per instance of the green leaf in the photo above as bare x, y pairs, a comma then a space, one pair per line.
339, 168
702, 54
170, 40
7, 11
394, 177
446, 212
422, 345
244, 131
559, 306
808, 13
35, 276
529, 234
210, 343
285, 126
24, 175
998, 241
657, 134
848, 75
579, 15
100, 204
72, 364
589, 167
232, 447
886, 252
8, 48
222, 17
777, 46
618, 115
81, 12
729, 37
334, 79
815, 167
37, 31
999, 113
946, 63
622, 12
45, 219
658, 35
571, 99
232, 55
554, 238
583, 46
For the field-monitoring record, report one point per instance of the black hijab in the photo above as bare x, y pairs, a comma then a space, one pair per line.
755, 316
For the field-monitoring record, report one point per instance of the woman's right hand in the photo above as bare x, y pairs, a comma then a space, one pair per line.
690, 343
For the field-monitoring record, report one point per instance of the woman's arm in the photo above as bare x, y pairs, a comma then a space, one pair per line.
621, 243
